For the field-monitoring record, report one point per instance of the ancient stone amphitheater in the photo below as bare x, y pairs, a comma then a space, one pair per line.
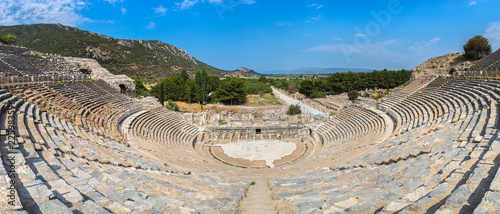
70, 144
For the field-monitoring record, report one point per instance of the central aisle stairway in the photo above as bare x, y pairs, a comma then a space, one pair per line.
258, 199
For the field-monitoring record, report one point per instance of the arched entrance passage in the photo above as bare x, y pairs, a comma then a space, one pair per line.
123, 89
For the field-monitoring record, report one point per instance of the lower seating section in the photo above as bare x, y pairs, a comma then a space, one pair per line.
64, 169
350, 123
164, 127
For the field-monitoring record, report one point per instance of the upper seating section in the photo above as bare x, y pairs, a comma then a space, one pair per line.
20, 61
395, 97
491, 62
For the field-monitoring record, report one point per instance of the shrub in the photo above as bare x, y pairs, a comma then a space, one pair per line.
293, 110
477, 47
353, 95
172, 106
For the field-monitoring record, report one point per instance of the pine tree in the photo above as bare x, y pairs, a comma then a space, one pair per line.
162, 95
201, 85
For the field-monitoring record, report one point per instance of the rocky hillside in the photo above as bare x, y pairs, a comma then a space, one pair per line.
243, 72
147, 60
443, 65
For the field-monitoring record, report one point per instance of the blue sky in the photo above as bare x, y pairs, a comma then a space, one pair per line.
278, 34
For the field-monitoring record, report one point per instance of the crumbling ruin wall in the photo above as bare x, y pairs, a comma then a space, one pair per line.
121, 83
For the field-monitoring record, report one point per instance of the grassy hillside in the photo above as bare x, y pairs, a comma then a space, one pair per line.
147, 60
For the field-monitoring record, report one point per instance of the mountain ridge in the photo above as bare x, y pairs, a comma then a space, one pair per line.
149, 60
315, 70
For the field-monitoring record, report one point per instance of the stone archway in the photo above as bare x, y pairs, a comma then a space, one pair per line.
452, 71
85, 71
123, 89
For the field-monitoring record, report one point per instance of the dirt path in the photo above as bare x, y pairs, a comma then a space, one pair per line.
258, 199
306, 109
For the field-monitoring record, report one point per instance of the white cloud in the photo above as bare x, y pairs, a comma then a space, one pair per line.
151, 25
372, 49
435, 39
14, 12
113, 1
360, 35
285, 23
420, 47
160, 10
246, 1
186, 4
493, 34
474, 2
313, 19
124, 10
317, 6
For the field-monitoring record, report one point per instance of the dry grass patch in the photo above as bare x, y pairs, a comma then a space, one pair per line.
267, 100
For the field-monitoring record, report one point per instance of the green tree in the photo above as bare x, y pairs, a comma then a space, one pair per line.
213, 83
161, 95
263, 79
477, 47
184, 75
201, 86
189, 91
175, 88
232, 90
306, 87
353, 95
293, 110
8, 39
140, 89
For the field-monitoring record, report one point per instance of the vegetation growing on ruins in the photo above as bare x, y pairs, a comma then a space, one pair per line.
353, 95
172, 106
477, 47
293, 110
